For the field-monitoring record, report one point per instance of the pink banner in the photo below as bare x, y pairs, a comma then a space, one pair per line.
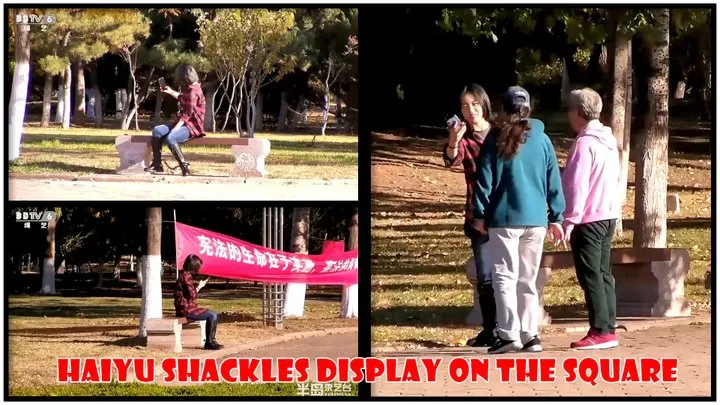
227, 257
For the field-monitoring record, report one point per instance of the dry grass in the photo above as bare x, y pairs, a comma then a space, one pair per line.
41, 329
420, 293
84, 151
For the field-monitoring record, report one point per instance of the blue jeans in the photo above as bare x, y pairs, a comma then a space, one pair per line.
180, 135
205, 316
479, 243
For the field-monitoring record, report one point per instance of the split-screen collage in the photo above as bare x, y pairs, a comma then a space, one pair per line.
359, 202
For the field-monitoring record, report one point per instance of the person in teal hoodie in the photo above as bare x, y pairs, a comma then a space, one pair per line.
518, 195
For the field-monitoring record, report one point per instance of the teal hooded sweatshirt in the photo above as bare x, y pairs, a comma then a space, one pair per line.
524, 190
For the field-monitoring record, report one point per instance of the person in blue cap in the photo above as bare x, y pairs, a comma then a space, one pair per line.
518, 199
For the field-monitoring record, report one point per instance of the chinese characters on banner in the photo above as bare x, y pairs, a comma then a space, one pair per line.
227, 257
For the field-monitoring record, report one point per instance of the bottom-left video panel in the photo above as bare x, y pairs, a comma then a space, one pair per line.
184, 299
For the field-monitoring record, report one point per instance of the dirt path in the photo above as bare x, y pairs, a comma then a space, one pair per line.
210, 188
694, 367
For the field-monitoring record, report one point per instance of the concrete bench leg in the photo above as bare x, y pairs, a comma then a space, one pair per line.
167, 339
654, 289
475, 316
250, 158
349, 307
133, 155
193, 334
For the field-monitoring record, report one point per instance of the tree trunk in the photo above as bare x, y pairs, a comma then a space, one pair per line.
209, 124
60, 98
619, 58
326, 109
299, 242
564, 84
297, 114
680, 90
282, 118
350, 293
151, 307
627, 131
157, 117
67, 103
47, 101
80, 93
259, 111
250, 110
651, 173
48, 270
18, 95
338, 111
99, 110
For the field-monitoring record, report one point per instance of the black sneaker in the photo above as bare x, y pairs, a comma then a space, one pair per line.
483, 339
504, 346
533, 346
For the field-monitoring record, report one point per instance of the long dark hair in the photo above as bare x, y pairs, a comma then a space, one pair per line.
192, 264
186, 75
514, 129
480, 95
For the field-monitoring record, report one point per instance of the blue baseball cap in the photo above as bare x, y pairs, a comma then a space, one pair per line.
515, 98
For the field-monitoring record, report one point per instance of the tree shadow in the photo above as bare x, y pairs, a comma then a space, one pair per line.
679, 188
233, 317
72, 311
681, 223
32, 139
65, 167
382, 201
34, 332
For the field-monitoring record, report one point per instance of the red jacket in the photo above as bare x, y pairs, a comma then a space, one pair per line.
185, 294
468, 151
192, 109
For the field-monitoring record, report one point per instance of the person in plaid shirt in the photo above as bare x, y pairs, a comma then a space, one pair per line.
464, 142
185, 305
189, 125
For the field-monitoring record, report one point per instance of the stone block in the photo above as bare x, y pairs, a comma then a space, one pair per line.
653, 289
250, 158
193, 334
134, 156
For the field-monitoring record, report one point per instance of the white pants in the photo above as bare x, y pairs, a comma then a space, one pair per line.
515, 255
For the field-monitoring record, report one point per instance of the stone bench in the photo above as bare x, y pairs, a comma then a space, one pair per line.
648, 282
174, 333
250, 153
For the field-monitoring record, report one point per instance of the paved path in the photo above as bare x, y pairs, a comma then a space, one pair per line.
210, 189
689, 343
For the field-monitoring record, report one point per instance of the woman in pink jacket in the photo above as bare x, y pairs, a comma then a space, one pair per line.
590, 185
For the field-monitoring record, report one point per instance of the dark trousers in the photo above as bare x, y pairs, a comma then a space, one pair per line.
478, 242
590, 245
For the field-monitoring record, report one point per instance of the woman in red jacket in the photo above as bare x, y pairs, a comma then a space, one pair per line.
185, 294
464, 142
189, 124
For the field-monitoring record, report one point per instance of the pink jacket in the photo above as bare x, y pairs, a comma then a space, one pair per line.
591, 177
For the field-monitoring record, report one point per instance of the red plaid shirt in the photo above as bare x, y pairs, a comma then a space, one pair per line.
185, 294
468, 150
192, 109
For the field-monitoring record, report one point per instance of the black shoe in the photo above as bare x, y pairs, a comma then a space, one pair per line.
217, 344
156, 165
532, 346
483, 339
504, 346
177, 153
212, 346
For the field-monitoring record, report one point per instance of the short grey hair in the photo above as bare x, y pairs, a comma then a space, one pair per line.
587, 102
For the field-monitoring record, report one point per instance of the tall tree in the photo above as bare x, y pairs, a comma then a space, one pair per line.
20, 83
48, 269
151, 307
651, 173
299, 243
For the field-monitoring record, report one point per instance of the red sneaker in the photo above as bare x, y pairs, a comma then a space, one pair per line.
594, 341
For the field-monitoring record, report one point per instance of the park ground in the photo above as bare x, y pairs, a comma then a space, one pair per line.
420, 295
87, 157
105, 323
693, 370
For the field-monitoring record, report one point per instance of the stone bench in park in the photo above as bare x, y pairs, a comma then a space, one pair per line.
648, 282
173, 333
250, 153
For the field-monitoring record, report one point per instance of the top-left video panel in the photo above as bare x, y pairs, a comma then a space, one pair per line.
183, 104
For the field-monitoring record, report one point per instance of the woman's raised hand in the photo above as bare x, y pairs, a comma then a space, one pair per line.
456, 132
